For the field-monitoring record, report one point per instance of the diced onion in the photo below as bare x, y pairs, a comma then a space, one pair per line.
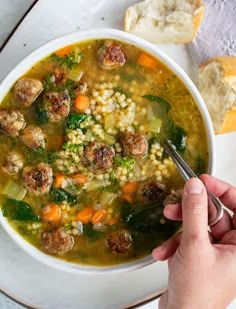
80, 228
76, 74
155, 125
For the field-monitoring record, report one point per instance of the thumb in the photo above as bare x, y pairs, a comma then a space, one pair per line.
195, 212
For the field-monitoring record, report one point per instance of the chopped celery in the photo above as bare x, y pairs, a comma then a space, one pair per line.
109, 139
13, 190
76, 74
150, 113
155, 125
109, 121
107, 197
96, 184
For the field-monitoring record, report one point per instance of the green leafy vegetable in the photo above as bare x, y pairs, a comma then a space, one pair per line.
125, 162
60, 195
41, 114
163, 103
70, 86
74, 120
178, 136
19, 210
90, 233
41, 155
142, 218
169, 129
69, 61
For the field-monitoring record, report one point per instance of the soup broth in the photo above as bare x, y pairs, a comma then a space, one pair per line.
84, 176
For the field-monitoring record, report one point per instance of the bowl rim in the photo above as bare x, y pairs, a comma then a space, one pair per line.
81, 36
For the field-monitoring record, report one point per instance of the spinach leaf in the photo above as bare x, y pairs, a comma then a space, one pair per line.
90, 233
163, 104
142, 218
74, 120
41, 114
60, 195
169, 130
40, 154
178, 136
19, 210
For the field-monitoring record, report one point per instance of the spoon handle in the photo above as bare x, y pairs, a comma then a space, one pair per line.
216, 208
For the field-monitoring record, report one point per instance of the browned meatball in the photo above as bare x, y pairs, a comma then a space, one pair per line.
57, 241
27, 90
57, 105
38, 180
174, 197
150, 190
133, 144
98, 157
119, 242
11, 122
111, 56
33, 137
13, 164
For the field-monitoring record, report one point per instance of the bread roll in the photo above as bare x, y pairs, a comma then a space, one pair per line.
165, 21
217, 84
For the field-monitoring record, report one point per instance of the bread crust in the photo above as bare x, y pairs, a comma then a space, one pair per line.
228, 67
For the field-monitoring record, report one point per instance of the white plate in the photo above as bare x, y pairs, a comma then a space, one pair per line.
21, 276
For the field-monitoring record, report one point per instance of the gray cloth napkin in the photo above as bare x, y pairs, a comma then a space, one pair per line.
217, 34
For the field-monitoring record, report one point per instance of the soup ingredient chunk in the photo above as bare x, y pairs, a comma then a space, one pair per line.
174, 197
57, 241
14, 163
33, 137
11, 122
27, 90
119, 242
57, 105
150, 190
98, 157
133, 144
111, 56
38, 180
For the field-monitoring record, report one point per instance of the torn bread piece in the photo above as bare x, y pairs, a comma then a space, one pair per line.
165, 21
217, 84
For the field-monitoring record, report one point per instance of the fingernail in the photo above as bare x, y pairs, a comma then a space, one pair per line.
194, 186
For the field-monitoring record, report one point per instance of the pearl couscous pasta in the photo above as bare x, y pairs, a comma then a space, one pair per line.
84, 175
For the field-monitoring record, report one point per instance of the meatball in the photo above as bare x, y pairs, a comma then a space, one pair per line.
133, 144
38, 180
111, 56
11, 122
13, 164
57, 105
33, 137
98, 157
174, 197
150, 190
27, 90
119, 242
57, 241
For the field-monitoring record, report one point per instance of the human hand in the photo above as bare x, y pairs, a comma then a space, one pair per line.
202, 265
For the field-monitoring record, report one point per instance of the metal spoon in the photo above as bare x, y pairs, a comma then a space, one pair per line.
215, 207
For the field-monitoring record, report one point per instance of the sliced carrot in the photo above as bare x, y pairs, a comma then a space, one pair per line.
99, 216
81, 103
58, 181
147, 61
51, 213
130, 188
85, 215
79, 179
128, 197
63, 52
